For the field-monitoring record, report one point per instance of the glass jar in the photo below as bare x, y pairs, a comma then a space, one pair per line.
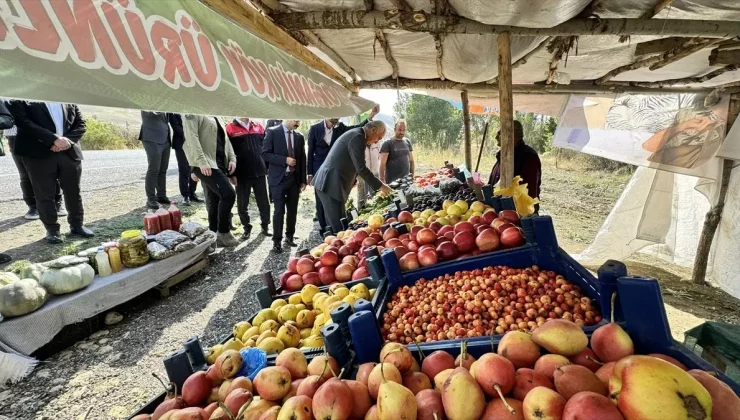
132, 247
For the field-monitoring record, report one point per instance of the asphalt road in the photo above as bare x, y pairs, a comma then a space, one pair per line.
100, 169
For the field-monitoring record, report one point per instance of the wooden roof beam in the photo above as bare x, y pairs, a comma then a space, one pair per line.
380, 37
401, 5
250, 18
438, 40
691, 47
720, 57
662, 4
318, 43
420, 21
492, 89
686, 80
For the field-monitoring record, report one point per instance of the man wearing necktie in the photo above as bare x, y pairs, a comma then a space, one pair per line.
284, 150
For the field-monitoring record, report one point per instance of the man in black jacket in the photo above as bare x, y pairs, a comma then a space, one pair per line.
6, 122
247, 137
48, 141
321, 138
188, 184
284, 151
155, 137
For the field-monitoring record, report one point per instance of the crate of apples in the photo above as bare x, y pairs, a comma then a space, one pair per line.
479, 303
550, 374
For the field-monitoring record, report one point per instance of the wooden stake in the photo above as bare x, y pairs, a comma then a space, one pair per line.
713, 217
440, 52
506, 105
466, 128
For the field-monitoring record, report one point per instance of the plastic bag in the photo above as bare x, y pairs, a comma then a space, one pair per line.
207, 236
158, 251
170, 238
449, 185
192, 229
254, 361
184, 246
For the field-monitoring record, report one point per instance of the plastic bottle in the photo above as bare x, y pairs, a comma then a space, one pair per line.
175, 216
151, 223
101, 258
114, 256
165, 222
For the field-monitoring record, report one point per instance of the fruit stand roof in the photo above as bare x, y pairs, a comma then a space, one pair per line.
559, 46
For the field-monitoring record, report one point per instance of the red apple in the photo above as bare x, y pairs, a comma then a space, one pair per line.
464, 241
445, 229
405, 242
292, 264
317, 265
329, 259
337, 243
414, 230
446, 251
284, 277
474, 220
369, 241
376, 236
464, 227
426, 236
359, 236
390, 220
344, 250
350, 259
488, 240
344, 272
488, 217
512, 238
312, 278
360, 273
427, 257
362, 263
435, 226
294, 283
331, 248
401, 251
304, 265
413, 246
393, 242
409, 262
503, 226
510, 216
449, 236
481, 228
404, 237
390, 233
326, 275
426, 246
405, 217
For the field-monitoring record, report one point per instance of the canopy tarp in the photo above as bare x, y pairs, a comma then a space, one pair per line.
173, 55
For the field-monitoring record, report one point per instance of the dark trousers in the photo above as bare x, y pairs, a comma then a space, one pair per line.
26, 187
244, 188
187, 185
285, 198
158, 159
220, 197
333, 211
320, 211
45, 174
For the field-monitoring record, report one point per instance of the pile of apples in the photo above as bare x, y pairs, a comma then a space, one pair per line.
570, 382
482, 302
433, 178
295, 323
336, 261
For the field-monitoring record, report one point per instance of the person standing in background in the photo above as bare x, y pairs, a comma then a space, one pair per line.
284, 150
247, 137
345, 162
155, 137
48, 142
396, 155
527, 164
213, 160
6, 122
188, 184
321, 138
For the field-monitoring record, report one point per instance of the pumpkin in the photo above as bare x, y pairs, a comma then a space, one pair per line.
32, 271
58, 281
6, 277
21, 297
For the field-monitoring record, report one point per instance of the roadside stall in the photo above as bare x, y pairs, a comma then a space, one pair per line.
478, 305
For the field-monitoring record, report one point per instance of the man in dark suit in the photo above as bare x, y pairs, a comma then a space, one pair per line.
48, 140
155, 137
321, 138
186, 181
284, 150
346, 160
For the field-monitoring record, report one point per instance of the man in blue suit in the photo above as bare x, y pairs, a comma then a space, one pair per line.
321, 138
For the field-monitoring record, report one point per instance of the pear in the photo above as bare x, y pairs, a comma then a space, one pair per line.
290, 335
293, 390
272, 383
462, 398
277, 303
729, 407
363, 371
547, 364
518, 347
398, 355
263, 315
560, 336
441, 377
572, 379
257, 408
526, 380
240, 328
308, 292
389, 373
497, 410
309, 386
544, 404
361, 399
590, 405
333, 401
271, 414
395, 401
295, 361
437, 362
429, 405
296, 408
324, 366
587, 358
610, 342
416, 382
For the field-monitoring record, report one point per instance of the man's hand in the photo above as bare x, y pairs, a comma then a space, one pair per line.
303, 187
290, 161
232, 168
310, 180
61, 144
233, 181
205, 170
374, 112
385, 190
194, 177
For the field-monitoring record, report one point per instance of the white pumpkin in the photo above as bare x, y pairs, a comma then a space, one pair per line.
33, 271
59, 281
21, 297
6, 277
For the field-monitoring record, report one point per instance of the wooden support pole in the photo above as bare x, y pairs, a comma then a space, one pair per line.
420, 21
506, 105
713, 217
466, 128
698, 45
380, 37
438, 40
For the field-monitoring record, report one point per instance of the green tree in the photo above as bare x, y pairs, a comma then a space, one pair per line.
433, 121
400, 108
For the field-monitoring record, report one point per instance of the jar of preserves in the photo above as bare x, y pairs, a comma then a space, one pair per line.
132, 247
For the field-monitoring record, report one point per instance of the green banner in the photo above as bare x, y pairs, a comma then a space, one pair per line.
160, 55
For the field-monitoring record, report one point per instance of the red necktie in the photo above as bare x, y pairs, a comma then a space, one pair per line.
290, 149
